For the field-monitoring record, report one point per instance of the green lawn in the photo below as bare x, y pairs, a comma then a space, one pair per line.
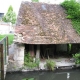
10, 38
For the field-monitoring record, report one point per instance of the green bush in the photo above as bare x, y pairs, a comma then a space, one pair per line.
30, 65
28, 57
72, 8
77, 58
73, 12
50, 64
28, 61
76, 25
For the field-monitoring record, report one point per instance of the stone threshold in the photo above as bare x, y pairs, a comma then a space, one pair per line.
61, 63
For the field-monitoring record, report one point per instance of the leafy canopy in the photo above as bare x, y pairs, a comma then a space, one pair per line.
73, 12
72, 9
10, 16
35, 0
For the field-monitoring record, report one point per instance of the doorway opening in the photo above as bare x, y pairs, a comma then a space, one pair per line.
53, 50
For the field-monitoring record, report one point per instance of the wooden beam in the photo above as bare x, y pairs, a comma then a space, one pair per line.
2, 62
38, 52
7, 46
31, 50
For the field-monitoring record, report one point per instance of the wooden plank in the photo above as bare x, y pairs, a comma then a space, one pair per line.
0, 75
38, 52
2, 63
3, 54
7, 47
31, 50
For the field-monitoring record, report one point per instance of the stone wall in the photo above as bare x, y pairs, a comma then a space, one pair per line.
16, 59
19, 55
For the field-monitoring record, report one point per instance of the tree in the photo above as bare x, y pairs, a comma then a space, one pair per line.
10, 16
73, 8
35, 0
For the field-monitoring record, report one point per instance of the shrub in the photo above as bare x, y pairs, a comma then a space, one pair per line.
28, 58
77, 58
73, 12
30, 65
76, 25
50, 64
29, 62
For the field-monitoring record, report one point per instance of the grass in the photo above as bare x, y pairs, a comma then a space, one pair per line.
76, 25
10, 38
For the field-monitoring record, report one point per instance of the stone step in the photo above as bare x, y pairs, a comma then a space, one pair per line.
61, 64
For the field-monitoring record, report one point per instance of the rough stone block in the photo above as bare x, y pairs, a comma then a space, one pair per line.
20, 59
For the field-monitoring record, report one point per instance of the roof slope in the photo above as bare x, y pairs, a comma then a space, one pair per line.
41, 23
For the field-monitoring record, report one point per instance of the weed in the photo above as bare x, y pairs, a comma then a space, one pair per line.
29, 62
77, 58
50, 64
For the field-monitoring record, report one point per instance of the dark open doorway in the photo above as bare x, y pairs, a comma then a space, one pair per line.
53, 50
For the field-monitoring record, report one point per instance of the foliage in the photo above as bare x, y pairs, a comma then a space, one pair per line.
29, 62
28, 58
10, 16
37, 62
28, 79
73, 9
73, 12
76, 25
50, 64
10, 38
77, 58
35, 0
70, 47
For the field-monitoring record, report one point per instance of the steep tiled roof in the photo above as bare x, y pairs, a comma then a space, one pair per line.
41, 23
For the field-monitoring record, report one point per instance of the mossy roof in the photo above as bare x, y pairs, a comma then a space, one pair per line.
42, 23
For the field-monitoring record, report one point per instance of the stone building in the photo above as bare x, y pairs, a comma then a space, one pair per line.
43, 30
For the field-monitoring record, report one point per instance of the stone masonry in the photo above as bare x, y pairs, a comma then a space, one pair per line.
16, 58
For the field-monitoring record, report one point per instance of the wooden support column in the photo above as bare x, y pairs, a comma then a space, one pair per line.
38, 52
68, 49
31, 50
2, 62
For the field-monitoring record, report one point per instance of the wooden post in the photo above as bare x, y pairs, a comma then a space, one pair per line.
38, 52
31, 50
7, 47
2, 62
68, 49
